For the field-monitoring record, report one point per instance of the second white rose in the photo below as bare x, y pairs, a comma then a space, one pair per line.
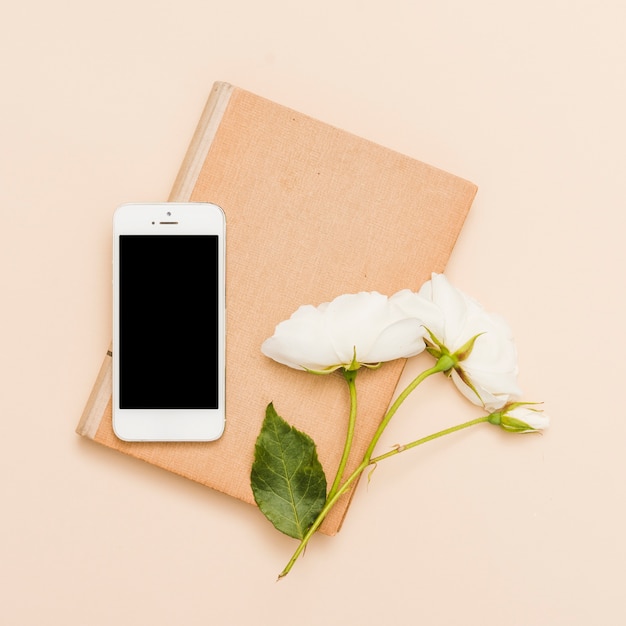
454, 319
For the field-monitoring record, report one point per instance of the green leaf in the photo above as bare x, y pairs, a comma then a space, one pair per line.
287, 478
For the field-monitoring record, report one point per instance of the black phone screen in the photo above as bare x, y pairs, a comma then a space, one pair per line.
168, 322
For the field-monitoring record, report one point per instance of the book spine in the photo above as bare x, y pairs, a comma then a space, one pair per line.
201, 142
98, 400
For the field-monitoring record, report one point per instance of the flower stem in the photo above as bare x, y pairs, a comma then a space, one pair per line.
358, 471
442, 365
419, 442
320, 518
350, 376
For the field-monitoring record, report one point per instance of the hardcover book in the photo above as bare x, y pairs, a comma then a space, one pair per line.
312, 212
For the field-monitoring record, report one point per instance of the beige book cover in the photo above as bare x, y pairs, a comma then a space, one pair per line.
312, 212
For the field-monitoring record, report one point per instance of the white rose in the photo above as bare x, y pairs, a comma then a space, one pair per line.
488, 374
520, 417
354, 330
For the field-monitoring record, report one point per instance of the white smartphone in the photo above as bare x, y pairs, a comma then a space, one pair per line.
169, 322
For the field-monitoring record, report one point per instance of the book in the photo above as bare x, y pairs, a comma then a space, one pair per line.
312, 212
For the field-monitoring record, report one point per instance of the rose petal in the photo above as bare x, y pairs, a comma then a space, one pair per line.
353, 321
453, 306
414, 305
402, 339
302, 341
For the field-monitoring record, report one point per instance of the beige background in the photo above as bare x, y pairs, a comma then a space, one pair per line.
98, 104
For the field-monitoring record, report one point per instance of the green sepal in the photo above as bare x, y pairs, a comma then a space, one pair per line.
372, 366
445, 361
466, 349
354, 365
433, 351
324, 372
467, 381
436, 341
514, 405
513, 425
287, 479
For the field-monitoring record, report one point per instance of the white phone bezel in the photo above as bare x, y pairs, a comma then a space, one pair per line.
170, 218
